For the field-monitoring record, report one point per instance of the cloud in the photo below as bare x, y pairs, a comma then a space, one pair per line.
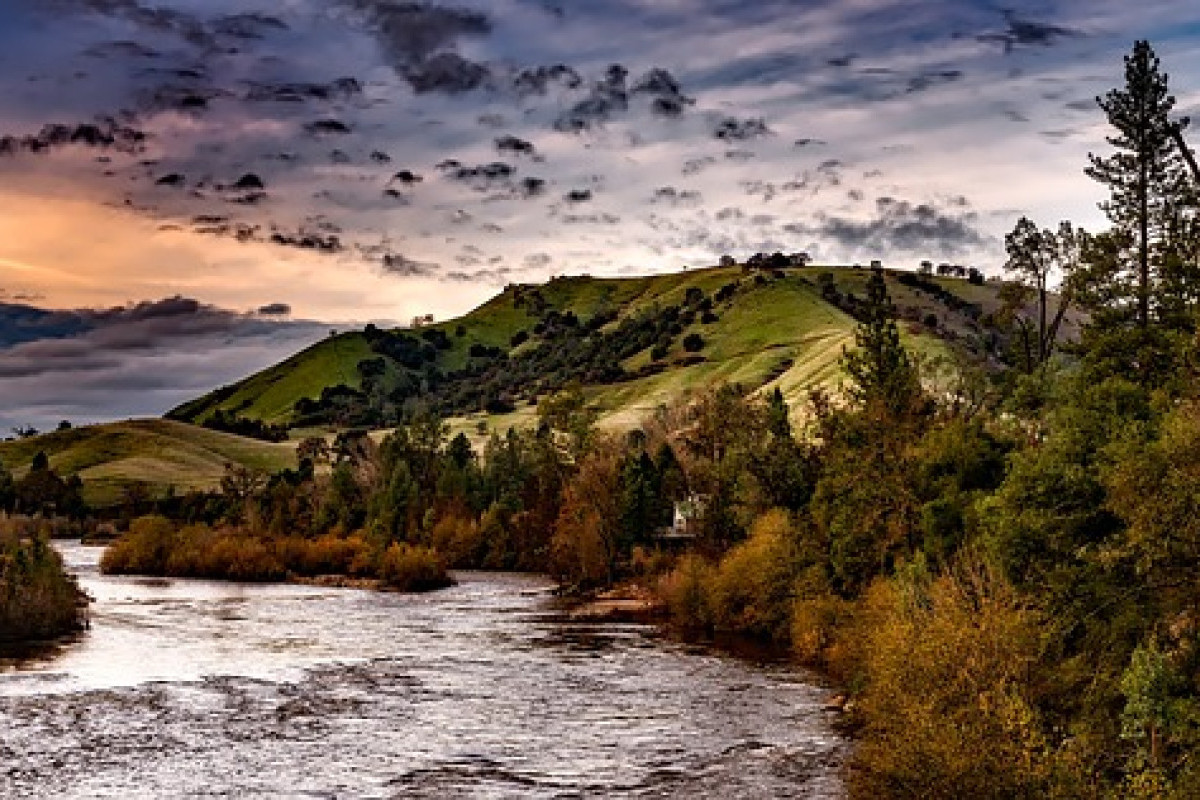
140, 359
105, 134
786, 110
900, 225
1025, 32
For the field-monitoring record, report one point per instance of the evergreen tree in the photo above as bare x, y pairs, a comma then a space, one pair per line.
881, 373
639, 508
1145, 176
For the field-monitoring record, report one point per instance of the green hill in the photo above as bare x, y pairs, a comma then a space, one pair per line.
152, 452
632, 342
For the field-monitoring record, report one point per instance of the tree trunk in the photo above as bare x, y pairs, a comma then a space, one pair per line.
1143, 241
1042, 345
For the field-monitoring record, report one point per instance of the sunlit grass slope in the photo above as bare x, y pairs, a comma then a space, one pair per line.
770, 332
156, 453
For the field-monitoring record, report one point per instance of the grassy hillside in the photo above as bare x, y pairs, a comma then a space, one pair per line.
157, 453
757, 327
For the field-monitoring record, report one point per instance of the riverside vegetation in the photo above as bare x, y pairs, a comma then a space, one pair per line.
997, 558
38, 600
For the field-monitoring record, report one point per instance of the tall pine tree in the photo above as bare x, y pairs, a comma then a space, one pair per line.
1146, 178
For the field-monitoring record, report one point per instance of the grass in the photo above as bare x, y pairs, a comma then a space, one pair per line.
271, 395
778, 334
155, 453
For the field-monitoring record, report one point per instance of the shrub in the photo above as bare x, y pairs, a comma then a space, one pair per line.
947, 706
693, 343
38, 599
144, 549
460, 541
752, 588
413, 568
686, 590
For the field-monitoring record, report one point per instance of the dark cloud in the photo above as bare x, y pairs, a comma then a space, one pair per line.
448, 73
22, 323
275, 310
1024, 32
324, 127
609, 96
135, 360
411, 32
483, 177
187, 27
532, 187
340, 89
731, 129
668, 99
407, 177
669, 195
515, 145
102, 335
249, 182
537, 80
404, 267
932, 78
419, 41
308, 240
105, 135
900, 225
248, 26
122, 50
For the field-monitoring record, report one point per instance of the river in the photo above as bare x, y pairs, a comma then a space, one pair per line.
201, 689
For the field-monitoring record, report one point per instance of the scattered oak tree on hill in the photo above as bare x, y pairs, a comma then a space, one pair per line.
1034, 258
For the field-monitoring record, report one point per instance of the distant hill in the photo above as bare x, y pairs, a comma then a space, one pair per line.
632, 342
156, 453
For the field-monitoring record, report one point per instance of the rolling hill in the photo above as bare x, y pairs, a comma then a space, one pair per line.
632, 342
154, 453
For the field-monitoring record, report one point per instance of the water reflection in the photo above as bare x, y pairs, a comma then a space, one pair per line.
187, 688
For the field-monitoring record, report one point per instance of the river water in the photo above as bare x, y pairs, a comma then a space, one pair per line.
202, 689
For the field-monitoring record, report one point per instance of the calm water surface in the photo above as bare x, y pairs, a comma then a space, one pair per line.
201, 689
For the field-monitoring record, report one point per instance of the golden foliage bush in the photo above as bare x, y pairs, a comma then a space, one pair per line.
752, 589
38, 599
413, 568
946, 707
460, 540
686, 591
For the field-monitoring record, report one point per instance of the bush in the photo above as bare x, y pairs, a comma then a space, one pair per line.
693, 343
144, 549
947, 706
460, 541
412, 568
38, 599
752, 589
686, 590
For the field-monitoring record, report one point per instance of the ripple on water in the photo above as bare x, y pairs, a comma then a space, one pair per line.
201, 689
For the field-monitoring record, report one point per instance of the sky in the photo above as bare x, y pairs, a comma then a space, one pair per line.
191, 190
